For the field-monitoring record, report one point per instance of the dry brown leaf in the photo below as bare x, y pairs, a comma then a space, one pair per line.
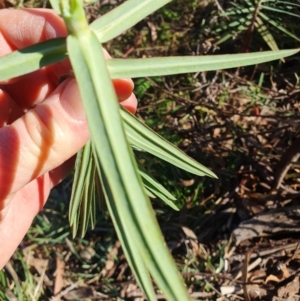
192, 238
59, 276
272, 278
255, 292
187, 183
245, 274
41, 266
81, 293
257, 275
131, 290
87, 253
11, 296
290, 289
278, 221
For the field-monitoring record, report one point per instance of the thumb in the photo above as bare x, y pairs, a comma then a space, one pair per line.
42, 139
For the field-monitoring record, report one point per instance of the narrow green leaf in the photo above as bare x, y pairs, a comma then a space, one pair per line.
129, 246
87, 199
149, 193
150, 182
81, 167
158, 190
281, 11
144, 138
289, 3
123, 17
238, 11
56, 6
265, 34
124, 68
163, 198
278, 26
32, 58
94, 195
26, 60
118, 164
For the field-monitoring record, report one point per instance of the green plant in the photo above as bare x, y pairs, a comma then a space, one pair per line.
106, 166
266, 17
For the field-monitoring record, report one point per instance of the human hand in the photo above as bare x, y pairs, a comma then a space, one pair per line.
42, 125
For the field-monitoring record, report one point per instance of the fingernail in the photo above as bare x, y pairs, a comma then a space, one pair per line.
71, 100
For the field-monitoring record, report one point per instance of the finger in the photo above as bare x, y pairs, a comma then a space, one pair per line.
22, 28
31, 89
25, 205
124, 88
9, 111
21, 211
42, 139
130, 103
19, 29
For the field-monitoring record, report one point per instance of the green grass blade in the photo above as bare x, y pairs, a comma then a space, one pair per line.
230, 34
265, 34
239, 11
123, 17
285, 3
280, 11
118, 164
124, 68
278, 26
32, 58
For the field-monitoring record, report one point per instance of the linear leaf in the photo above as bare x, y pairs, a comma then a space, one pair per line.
284, 2
81, 167
124, 68
118, 164
123, 17
25, 61
149, 181
158, 190
265, 34
77, 188
281, 11
32, 58
278, 26
87, 199
142, 137
129, 245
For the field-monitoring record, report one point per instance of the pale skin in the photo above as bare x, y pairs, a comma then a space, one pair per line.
42, 125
